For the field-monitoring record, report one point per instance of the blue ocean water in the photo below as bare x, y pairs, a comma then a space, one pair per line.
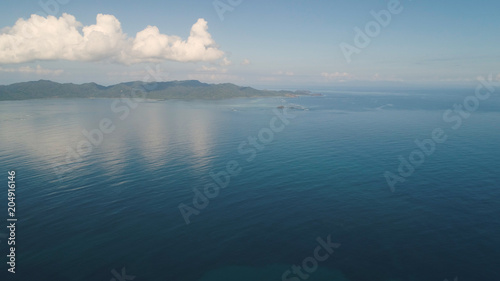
115, 209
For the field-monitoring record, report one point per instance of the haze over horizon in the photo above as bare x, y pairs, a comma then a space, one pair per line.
259, 44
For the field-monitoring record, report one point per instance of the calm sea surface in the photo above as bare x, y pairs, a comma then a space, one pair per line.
115, 209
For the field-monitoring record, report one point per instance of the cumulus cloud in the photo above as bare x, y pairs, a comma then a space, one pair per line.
245, 62
205, 68
208, 68
37, 70
225, 62
64, 38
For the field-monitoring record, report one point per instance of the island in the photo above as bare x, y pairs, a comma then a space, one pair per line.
187, 90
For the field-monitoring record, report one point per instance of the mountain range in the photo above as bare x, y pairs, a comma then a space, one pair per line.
189, 89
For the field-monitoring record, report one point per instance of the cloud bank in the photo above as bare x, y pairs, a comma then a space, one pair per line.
64, 38
337, 76
28, 69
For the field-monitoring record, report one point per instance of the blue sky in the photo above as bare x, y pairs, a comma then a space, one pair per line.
280, 44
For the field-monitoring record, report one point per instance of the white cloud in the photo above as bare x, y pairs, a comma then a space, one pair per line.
225, 62
216, 77
139, 75
37, 70
245, 62
205, 68
287, 73
337, 76
391, 78
64, 38
208, 68
334, 74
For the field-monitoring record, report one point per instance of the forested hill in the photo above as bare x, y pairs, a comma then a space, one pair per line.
190, 89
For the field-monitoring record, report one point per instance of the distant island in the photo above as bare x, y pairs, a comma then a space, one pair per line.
187, 90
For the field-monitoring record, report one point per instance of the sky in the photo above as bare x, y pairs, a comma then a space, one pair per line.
264, 44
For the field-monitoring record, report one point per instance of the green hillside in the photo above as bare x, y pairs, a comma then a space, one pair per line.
190, 89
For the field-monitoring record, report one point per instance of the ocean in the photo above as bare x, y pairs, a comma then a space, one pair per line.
333, 187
